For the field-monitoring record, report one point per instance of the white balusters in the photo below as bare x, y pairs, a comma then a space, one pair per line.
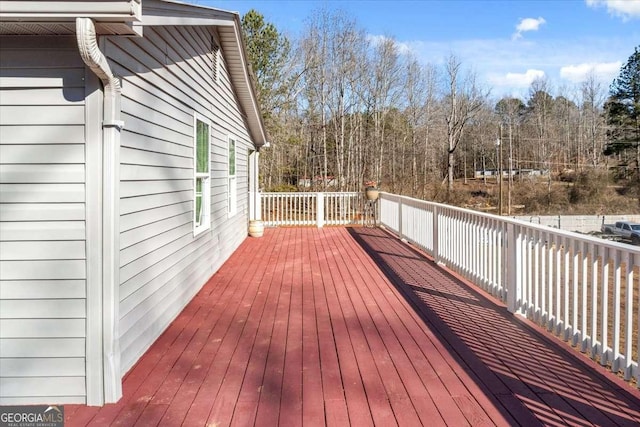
581, 288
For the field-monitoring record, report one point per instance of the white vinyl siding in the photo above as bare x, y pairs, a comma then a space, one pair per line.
42, 222
232, 188
166, 78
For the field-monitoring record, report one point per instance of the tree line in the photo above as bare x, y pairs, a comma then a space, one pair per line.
343, 108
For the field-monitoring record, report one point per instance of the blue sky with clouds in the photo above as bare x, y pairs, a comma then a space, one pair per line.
507, 43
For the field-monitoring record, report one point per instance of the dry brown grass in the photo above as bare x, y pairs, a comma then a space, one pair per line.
532, 197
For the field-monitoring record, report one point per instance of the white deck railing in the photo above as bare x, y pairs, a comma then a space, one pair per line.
314, 209
584, 289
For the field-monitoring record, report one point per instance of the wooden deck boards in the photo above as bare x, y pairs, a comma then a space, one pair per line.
342, 326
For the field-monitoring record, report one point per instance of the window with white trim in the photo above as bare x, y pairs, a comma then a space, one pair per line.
232, 193
201, 175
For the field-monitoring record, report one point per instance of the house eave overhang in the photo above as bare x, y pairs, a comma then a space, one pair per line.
38, 17
232, 42
128, 18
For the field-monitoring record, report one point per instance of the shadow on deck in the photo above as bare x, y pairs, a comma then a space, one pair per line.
534, 378
350, 326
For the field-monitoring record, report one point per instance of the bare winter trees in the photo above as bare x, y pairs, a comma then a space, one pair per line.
344, 107
331, 50
463, 101
364, 108
363, 104
592, 125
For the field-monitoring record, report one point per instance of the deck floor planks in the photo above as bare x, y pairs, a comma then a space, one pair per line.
136, 378
185, 395
223, 406
452, 314
511, 364
222, 343
468, 408
548, 371
354, 391
541, 366
408, 358
268, 411
538, 381
379, 403
445, 382
151, 415
313, 411
303, 327
291, 396
168, 364
333, 389
80, 415
446, 317
246, 407
379, 337
130, 411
